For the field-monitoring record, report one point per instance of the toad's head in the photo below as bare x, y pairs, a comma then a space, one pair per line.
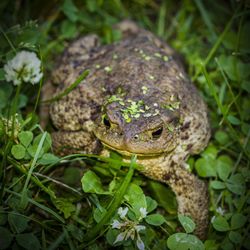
142, 126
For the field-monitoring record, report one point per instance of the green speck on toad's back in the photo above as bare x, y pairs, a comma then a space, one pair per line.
165, 58
134, 110
113, 98
157, 55
115, 56
144, 89
170, 127
172, 106
108, 69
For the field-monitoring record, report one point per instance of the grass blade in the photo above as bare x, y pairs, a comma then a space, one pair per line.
33, 164
69, 89
206, 18
46, 209
162, 20
217, 44
58, 241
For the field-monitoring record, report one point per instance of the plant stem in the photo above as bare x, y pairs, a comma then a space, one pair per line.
9, 142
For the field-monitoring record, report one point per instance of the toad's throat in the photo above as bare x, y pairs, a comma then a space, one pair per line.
130, 153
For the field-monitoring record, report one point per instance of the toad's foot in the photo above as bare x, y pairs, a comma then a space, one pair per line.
191, 192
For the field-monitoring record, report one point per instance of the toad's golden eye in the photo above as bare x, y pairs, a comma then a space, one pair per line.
106, 122
157, 133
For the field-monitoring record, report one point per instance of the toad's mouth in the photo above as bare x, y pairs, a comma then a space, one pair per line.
129, 153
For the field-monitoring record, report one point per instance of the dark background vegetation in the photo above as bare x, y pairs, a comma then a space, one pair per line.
213, 38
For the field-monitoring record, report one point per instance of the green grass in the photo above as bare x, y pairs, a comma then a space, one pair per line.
51, 202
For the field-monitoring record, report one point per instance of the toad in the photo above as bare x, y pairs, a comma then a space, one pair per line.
137, 99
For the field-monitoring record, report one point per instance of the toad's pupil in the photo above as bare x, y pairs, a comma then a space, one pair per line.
106, 122
136, 137
156, 134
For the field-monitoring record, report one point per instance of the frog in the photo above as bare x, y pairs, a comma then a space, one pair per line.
136, 100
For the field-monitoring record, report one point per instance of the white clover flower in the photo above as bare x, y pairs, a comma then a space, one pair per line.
143, 212
212, 219
140, 244
120, 237
138, 228
129, 229
220, 211
122, 212
116, 224
130, 234
24, 67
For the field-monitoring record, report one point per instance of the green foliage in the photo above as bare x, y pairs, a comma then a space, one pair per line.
164, 196
18, 151
234, 68
220, 224
6, 238
27, 150
91, 183
28, 241
72, 202
48, 158
187, 223
70, 10
18, 224
64, 205
25, 138
155, 219
184, 241
151, 204
136, 198
238, 221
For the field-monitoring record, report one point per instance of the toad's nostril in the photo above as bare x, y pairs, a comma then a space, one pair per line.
176, 120
136, 137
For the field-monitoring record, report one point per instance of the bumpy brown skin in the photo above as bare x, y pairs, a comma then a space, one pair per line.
168, 121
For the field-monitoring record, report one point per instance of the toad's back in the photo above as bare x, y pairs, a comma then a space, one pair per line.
139, 66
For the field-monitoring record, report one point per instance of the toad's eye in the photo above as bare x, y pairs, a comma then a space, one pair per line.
106, 121
157, 133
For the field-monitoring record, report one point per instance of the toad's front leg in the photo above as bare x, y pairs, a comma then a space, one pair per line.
71, 142
191, 192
